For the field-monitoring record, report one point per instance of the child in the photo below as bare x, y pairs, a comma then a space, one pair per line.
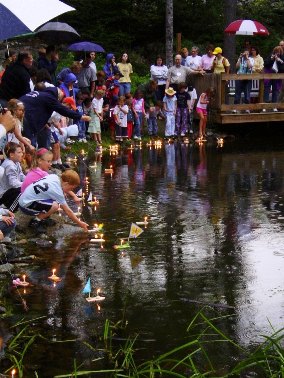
139, 113
100, 83
183, 109
170, 106
112, 85
7, 224
10, 185
40, 166
120, 116
201, 109
81, 124
152, 118
96, 117
41, 199
130, 115
193, 97
55, 123
17, 110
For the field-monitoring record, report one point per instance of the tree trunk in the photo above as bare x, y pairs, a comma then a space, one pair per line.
230, 13
169, 32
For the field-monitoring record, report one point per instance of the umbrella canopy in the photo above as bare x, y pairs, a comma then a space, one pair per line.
246, 27
86, 46
57, 32
20, 17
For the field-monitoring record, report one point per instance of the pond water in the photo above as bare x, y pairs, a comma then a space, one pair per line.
214, 237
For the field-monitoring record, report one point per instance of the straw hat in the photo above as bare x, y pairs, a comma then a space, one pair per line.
170, 91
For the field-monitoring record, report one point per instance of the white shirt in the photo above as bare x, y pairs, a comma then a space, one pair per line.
193, 62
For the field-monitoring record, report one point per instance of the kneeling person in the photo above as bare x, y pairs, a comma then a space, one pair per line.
43, 197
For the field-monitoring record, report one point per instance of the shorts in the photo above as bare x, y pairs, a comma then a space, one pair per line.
201, 110
53, 137
37, 207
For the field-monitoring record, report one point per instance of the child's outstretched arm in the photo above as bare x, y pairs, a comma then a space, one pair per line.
73, 217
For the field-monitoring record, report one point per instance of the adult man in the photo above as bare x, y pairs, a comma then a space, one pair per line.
38, 109
87, 76
16, 80
49, 61
93, 64
177, 74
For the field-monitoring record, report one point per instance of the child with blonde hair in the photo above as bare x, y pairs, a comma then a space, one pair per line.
42, 198
96, 116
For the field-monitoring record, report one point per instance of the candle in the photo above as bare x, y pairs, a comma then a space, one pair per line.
13, 372
121, 241
98, 292
53, 272
145, 220
24, 278
82, 152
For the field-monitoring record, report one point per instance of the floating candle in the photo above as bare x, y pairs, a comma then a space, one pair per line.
13, 372
54, 277
144, 223
97, 298
122, 245
109, 170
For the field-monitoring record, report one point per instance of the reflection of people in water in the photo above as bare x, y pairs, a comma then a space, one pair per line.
201, 169
171, 164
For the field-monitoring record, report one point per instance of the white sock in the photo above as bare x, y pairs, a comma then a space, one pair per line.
37, 219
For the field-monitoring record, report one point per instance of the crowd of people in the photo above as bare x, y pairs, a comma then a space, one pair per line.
42, 110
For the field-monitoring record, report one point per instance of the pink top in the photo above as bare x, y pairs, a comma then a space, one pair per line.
207, 62
32, 176
138, 104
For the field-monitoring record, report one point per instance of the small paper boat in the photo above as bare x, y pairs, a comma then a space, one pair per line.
97, 228
121, 246
97, 240
87, 290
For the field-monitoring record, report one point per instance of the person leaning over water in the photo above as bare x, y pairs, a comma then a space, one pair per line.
42, 198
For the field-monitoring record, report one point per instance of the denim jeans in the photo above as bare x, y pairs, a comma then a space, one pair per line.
138, 122
124, 88
152, 126
7, 229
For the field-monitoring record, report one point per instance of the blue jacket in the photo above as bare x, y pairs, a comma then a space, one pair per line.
39, 107
108, 68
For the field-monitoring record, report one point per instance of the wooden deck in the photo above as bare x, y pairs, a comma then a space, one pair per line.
221, 108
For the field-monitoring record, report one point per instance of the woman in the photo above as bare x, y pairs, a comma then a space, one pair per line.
110, 67
207, 59
125, 68
159, 74
258, 60
273, 64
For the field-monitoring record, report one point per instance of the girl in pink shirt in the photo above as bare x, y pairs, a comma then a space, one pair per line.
40, 166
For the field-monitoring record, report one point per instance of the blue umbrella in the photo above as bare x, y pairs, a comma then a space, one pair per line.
85, 46
20, 17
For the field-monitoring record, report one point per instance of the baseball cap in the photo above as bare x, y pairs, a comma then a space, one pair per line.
70, 101
217, 50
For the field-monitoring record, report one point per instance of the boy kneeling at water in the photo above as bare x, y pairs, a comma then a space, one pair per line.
43, 197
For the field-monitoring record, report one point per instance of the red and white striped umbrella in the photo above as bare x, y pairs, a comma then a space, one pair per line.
246, 27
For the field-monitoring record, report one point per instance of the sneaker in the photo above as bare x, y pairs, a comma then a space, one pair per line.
68, 141
135, 137
37, 226
48, 222
84, 140
80, 140
182, 134
247, 111
275, 110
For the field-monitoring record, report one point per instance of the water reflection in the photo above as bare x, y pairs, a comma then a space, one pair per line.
215, 237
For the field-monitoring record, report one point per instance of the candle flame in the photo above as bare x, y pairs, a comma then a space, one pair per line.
24, 278
53, 271
13, 372
145, 219
121, 241
102, 236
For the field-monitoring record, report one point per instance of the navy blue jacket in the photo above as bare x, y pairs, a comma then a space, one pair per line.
39, 107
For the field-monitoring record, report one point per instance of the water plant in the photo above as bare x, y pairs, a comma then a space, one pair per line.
191, 359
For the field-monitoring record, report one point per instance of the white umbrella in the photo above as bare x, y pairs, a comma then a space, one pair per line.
24, 16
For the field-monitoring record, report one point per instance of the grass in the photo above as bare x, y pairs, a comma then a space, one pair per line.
191, 359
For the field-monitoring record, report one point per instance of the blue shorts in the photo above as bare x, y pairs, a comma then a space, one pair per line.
37, 207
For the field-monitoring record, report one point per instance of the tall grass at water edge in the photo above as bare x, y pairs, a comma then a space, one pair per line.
191, 359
